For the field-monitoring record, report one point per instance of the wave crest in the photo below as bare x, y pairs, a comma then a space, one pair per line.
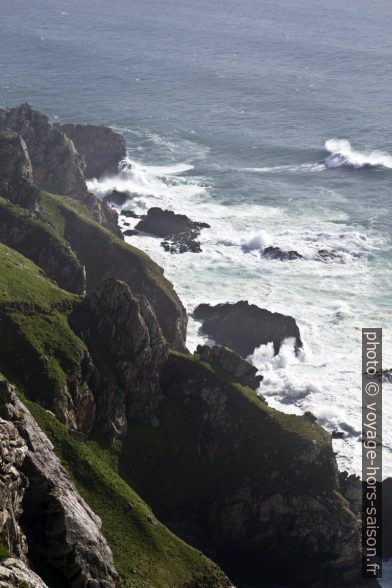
343, 155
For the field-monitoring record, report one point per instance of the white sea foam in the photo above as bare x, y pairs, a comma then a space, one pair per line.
343, 155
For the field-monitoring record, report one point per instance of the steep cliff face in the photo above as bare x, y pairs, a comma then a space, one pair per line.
123, 334
102, 149
63, 535
16, 172
257, 487
55, 164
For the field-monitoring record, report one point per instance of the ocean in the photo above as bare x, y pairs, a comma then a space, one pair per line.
230, 110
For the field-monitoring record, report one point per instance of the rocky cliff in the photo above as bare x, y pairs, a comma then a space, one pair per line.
102, 149
58, 533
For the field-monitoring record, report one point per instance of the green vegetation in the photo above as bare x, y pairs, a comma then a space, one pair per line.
38, 347
146, 553
4, 551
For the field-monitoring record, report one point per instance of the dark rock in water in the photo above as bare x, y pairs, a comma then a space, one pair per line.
129, 232
16, 172
281, 255
182, 243
166, 223
328, 255
180, 232
338, 434
231, 362
242, 326
129, 213
116, 197
101, 148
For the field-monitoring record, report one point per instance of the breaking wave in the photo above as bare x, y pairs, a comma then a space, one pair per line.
343, 155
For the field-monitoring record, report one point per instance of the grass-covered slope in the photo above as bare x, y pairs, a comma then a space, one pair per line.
105, 255
41, 243
146, 553
39, 348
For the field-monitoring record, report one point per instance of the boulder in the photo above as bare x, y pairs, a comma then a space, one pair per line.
232, 363
243, 327
101, 147
280, 254
16, 172
116, 197
182, 243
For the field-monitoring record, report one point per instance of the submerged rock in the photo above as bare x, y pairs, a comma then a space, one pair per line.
101, 147
243, 327
180, 232
280, 254
129, 213
233, 364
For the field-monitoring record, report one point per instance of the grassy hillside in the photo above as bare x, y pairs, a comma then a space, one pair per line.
146, 553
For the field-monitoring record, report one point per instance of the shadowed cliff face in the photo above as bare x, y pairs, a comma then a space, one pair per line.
257, 488
123, 334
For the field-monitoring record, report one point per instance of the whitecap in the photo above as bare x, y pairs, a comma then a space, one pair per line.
343, 155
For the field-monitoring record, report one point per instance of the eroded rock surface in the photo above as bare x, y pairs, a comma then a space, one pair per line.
15, 573
123, 334
242, 326
61, 529
101, 147
16, 172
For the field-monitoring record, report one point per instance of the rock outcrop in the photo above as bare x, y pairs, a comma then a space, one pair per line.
61, 530
124, 336
56, 165
179, 231
243, 327
230, 362
16, 172
15, 573
101, 148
